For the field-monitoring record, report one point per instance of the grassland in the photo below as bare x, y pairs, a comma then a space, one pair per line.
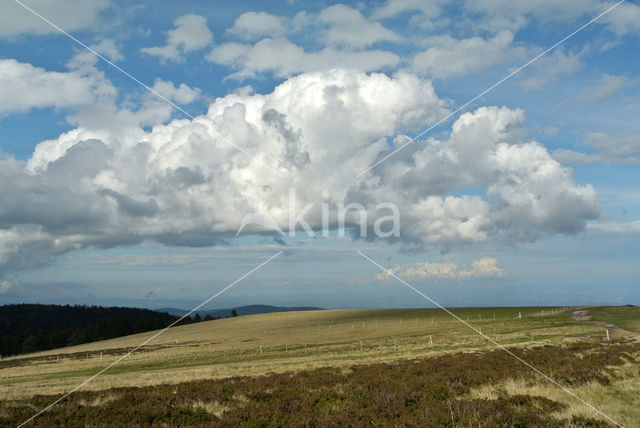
261, 350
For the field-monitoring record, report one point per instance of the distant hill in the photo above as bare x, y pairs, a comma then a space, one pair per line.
29, 327
240, 310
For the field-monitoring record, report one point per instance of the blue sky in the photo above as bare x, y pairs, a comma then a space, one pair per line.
109, 195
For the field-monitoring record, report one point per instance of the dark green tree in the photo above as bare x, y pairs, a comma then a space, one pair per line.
30, 344
29, 328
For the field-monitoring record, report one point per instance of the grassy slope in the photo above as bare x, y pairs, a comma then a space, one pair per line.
293, 342
289, 341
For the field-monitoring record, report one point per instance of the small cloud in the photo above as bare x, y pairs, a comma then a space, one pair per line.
485, 267
392, 8
624, 19
548, 67
283, 58
18, 83
253, 25
447, 57
550, 130
608, 87
190, 34
348, 27
182, 94
620, 148
108, 48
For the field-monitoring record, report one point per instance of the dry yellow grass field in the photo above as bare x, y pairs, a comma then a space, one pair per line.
290, 341
293, 341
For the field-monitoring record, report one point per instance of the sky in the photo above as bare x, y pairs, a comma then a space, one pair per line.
158, 152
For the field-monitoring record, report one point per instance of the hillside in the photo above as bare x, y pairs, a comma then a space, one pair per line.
285, 341
345, 347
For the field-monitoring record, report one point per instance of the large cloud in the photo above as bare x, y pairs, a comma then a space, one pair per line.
182, 183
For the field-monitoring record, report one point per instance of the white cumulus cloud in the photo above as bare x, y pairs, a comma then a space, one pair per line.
182, 183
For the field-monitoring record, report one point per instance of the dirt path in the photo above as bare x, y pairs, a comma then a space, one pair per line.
614, 332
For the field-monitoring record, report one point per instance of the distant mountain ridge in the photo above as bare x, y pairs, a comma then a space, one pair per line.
240, 310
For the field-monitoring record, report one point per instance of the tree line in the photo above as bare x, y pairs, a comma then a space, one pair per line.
26, 328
